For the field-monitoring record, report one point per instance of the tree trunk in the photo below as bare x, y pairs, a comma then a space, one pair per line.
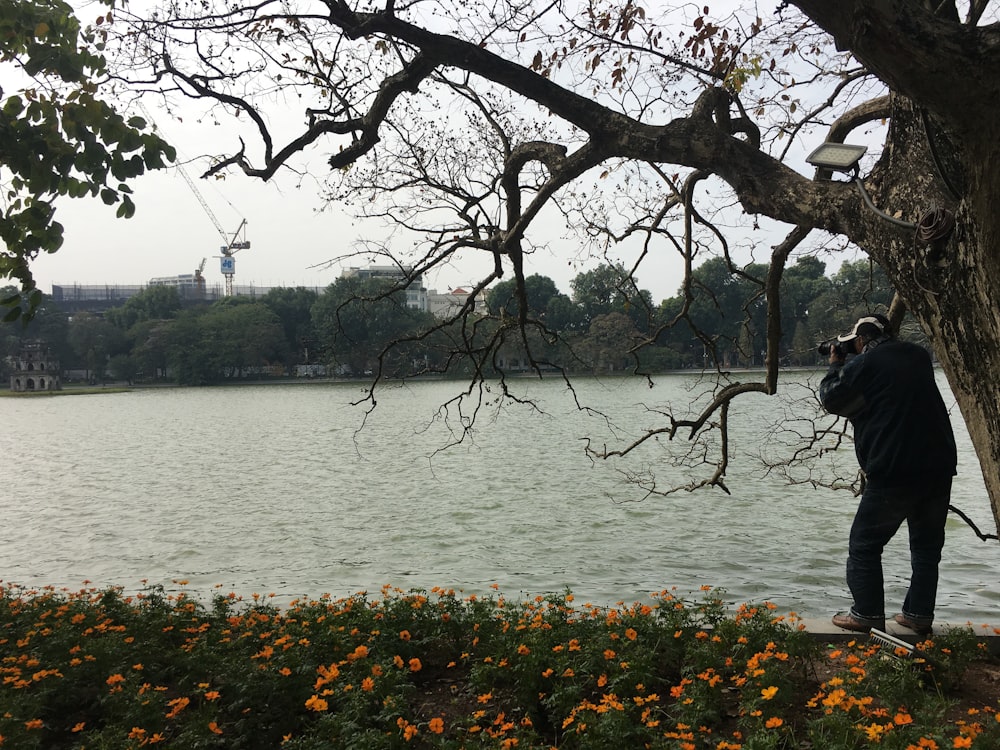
951, 285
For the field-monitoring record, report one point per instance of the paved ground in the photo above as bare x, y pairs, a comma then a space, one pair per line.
826, 630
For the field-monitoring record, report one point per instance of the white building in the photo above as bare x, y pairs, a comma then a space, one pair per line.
416, 292
448, 304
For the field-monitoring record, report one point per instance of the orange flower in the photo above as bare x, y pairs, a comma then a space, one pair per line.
78, 727
315, 703
436, 725
774, 722
404, 635
214, 728
33, 724
415, 665
368, 684
962, 742
115, 679
631, 634
212, 695
769, 692
177, 705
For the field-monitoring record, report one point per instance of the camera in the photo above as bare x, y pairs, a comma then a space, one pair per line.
834, 346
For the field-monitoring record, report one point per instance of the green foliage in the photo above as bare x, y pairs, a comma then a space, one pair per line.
538, 291
357, 319
226, 341
57, 137
101, 669
152, 303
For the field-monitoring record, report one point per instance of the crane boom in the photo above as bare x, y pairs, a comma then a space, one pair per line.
232, 244
203, 202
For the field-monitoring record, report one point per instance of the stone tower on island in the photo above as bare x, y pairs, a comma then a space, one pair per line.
35, 369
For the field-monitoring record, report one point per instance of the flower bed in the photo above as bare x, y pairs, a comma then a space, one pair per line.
99, 669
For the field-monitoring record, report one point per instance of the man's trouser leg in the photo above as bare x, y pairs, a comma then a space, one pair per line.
878, 518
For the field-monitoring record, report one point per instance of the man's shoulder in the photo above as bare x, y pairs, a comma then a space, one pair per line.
898, 345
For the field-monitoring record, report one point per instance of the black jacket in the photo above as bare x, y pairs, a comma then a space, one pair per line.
902, 433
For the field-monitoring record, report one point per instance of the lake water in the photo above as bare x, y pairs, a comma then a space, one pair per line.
278, 489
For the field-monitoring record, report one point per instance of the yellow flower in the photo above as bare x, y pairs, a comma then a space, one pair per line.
769, 692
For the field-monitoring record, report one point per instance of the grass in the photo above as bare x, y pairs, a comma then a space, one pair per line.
101, 670
67, 391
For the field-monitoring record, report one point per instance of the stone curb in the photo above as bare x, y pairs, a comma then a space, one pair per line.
827, 631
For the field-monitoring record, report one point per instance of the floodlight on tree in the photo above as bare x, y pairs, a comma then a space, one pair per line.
840, 157
844, 157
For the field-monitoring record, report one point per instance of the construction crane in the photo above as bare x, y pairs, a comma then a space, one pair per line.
199, 280
233, 244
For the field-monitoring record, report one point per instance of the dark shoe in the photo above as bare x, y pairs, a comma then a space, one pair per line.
849, 621
920, 627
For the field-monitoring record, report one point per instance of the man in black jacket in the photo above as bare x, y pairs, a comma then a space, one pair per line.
906, 449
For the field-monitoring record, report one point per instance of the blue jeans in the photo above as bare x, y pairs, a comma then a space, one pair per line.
880, 514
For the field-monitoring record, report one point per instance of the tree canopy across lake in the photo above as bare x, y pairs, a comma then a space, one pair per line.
677, 127
353, 328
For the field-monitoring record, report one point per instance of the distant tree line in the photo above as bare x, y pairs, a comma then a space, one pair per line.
605, 324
